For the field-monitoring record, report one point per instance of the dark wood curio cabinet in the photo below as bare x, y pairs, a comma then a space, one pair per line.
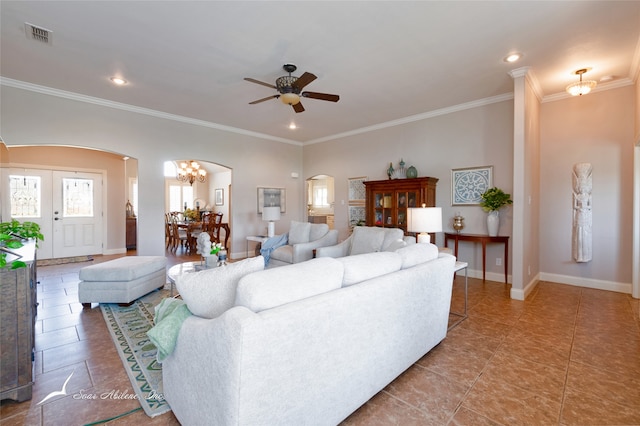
387, 200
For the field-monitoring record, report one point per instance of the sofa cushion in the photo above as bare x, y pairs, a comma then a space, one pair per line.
366, 239
414, 254
299, 232
126, 268
283, 253
395, 245
391, 237
370, 265
274, 287
211, 292
317, 231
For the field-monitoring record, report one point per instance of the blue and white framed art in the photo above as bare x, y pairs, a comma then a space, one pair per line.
469, 183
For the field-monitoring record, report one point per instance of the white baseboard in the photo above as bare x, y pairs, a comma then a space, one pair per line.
521, 294
587, 282
114, 251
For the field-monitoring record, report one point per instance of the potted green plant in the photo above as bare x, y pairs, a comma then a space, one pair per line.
494, 199
12, 235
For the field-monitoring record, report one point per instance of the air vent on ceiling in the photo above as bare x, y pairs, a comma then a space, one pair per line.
38, 33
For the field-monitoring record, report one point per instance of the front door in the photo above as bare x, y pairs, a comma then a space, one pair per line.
67, 205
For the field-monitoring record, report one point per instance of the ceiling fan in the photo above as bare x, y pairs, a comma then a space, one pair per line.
290, 89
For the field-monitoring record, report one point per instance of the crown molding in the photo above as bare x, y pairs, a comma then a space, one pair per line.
9, 82
417, 117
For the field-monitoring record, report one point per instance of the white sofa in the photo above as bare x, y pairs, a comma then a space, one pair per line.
304, 237
307, 344
368, 239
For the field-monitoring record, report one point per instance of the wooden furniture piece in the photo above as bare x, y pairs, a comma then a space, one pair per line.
18, 309
482, 239
387, 200
131, 233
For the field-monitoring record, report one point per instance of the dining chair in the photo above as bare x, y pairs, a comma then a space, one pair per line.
215, 227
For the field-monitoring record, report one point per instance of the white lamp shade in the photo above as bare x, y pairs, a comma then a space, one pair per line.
271, 213
424, 219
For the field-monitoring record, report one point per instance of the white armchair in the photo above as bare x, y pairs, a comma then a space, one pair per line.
368, 239
304, 237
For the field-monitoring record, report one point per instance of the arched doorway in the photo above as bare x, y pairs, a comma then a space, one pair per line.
211, 195
80, 194
321, 199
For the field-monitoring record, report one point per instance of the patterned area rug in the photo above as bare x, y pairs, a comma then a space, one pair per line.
128, 327
63, 260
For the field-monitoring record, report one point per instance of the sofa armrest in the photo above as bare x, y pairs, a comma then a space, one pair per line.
188, 367
304, 251
338, 250
409, 239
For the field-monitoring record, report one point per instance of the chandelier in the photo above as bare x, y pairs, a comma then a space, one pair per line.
581, 87
190, 171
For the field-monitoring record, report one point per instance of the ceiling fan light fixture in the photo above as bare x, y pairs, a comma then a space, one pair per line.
290, 98
581, 87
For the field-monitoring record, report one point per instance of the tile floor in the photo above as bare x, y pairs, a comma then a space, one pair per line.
565, 356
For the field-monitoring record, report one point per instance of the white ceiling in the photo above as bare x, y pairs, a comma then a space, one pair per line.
388, 61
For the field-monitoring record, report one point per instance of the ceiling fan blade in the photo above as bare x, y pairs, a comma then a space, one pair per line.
321, 96
264, 99
303, 80
298, 107
253, 80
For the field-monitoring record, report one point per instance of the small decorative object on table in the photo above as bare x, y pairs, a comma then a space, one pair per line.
492, 200
390, 170
222, 257
458, 222
412, 172
401, 172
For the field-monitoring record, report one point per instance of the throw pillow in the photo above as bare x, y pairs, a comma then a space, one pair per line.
211, 292
299, 232
366, 266
274, 287
414, 254
366, 239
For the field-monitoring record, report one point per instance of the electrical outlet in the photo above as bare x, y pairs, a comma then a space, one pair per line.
498, 261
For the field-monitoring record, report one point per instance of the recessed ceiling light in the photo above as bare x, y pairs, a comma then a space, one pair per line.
512, 57
118, 81
293, 126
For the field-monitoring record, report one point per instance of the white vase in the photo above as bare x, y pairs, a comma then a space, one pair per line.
493, 223
211, 261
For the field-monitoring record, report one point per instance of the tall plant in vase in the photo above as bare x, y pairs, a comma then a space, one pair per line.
493, 199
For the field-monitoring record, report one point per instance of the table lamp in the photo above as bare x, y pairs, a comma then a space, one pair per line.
271, 214
423, 220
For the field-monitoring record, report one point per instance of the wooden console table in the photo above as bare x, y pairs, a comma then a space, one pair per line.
483, 239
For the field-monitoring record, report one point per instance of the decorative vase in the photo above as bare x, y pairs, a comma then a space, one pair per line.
412, 172
458, 223
211, 261
493, 223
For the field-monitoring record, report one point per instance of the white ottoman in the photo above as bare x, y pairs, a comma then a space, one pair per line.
121, 280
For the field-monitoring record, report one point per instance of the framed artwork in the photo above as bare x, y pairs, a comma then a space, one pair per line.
469, 183
219, 197
272, 197
357, 190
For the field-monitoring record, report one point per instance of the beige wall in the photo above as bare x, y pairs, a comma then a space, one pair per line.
479, 136
596, 129
599, 128
30, 118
